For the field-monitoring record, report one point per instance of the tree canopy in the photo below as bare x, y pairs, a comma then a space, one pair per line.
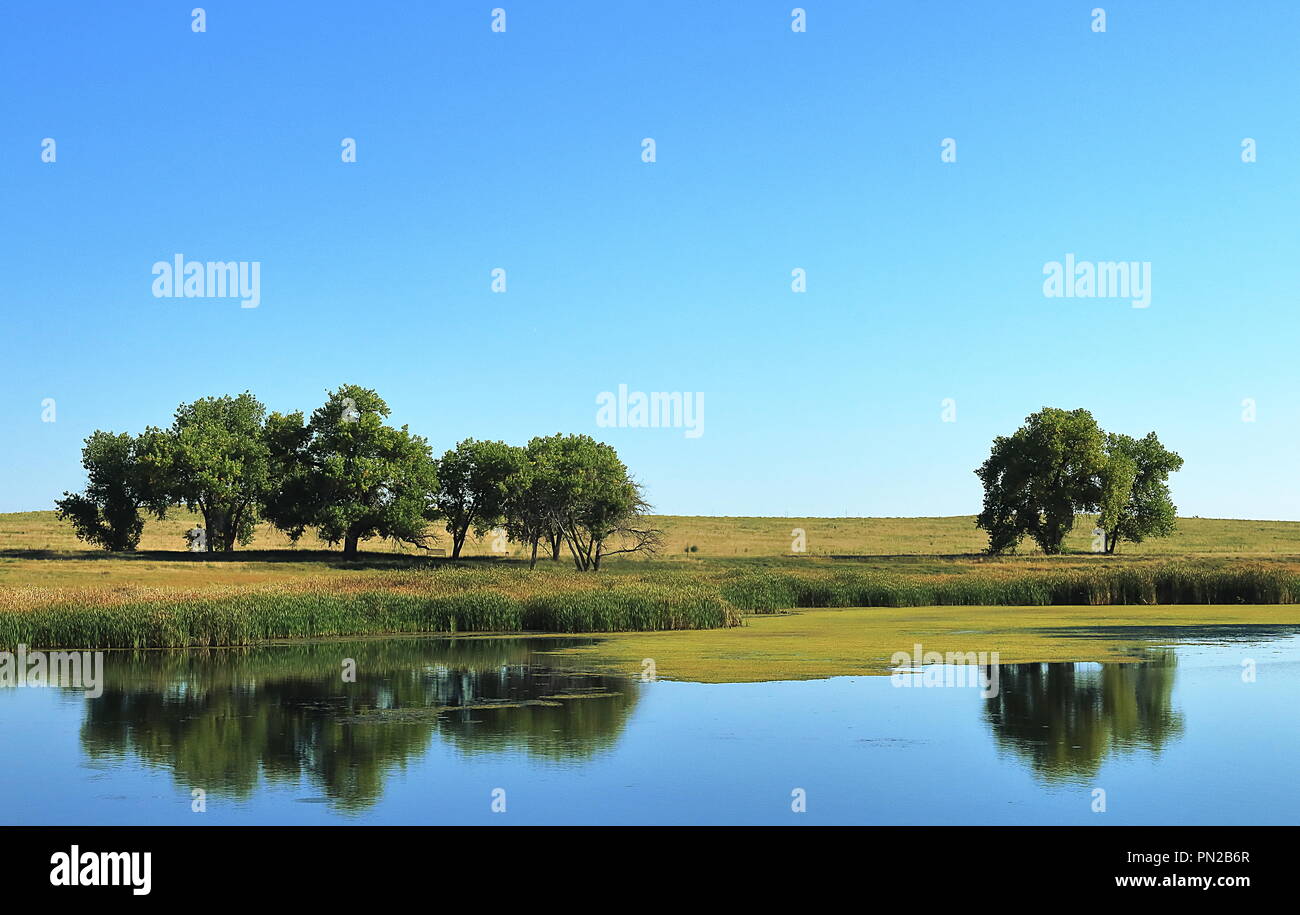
1061, 463
107, 514
1144, 508
1036, 479
472, 487
214, 458
350, 475
532, 494
594, 504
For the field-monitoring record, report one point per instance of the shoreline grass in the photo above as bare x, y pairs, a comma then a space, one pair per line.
503, 599
1172, 583
245, 617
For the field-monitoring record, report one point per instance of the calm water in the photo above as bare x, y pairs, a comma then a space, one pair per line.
432, 727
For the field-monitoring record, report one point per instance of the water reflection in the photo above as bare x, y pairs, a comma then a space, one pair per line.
235, 721
224, 720
1064, 719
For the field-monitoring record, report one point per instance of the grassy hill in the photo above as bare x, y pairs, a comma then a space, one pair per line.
36, 550
739, 537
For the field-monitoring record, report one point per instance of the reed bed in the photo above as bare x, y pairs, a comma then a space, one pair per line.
194, 619
1165, 584
458, 600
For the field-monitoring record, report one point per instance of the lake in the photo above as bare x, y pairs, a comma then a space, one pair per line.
505, 731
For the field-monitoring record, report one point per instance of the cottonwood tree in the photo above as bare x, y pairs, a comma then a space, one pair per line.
527, 507
1036, 479
534, 498
107, 514
534, 495
1138, 504
351, 476
1117, 479
291, 503
596, 506
472, 487
214, 458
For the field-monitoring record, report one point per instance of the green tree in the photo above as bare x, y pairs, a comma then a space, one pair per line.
525, 508
594, 503
1117, 479
532, 498
544, 452
107, 514
1146, 508
290, 503
1035, 480
215, 460
351, 476
472, 487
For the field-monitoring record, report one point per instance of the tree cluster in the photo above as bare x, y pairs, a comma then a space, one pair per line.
348, 475
1060, 463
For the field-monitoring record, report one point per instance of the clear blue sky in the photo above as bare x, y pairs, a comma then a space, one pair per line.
775, 150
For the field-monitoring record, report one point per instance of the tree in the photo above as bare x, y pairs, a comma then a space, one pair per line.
350, 475
1035, 480
291, 503
1144, 508
532, 499
545, 453
107, 514
215, 460
526, 507
472, 487
1117, 479
594, 503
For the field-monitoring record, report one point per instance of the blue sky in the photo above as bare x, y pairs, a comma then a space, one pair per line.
775, 150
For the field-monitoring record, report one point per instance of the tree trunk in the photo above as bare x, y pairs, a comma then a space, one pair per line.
232, 529
532, 563
556, 542
220, 525
350, 545
577, 556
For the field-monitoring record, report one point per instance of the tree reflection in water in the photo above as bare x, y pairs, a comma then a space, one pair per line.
223, 720
1066, 718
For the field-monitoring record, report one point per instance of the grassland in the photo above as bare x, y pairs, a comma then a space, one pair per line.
38, 550
714, 573
738, 537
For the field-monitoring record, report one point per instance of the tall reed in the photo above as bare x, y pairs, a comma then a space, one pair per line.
766, 592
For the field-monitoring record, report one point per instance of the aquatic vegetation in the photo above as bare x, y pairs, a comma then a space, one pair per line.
442, 602
863, 641
1172, 583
